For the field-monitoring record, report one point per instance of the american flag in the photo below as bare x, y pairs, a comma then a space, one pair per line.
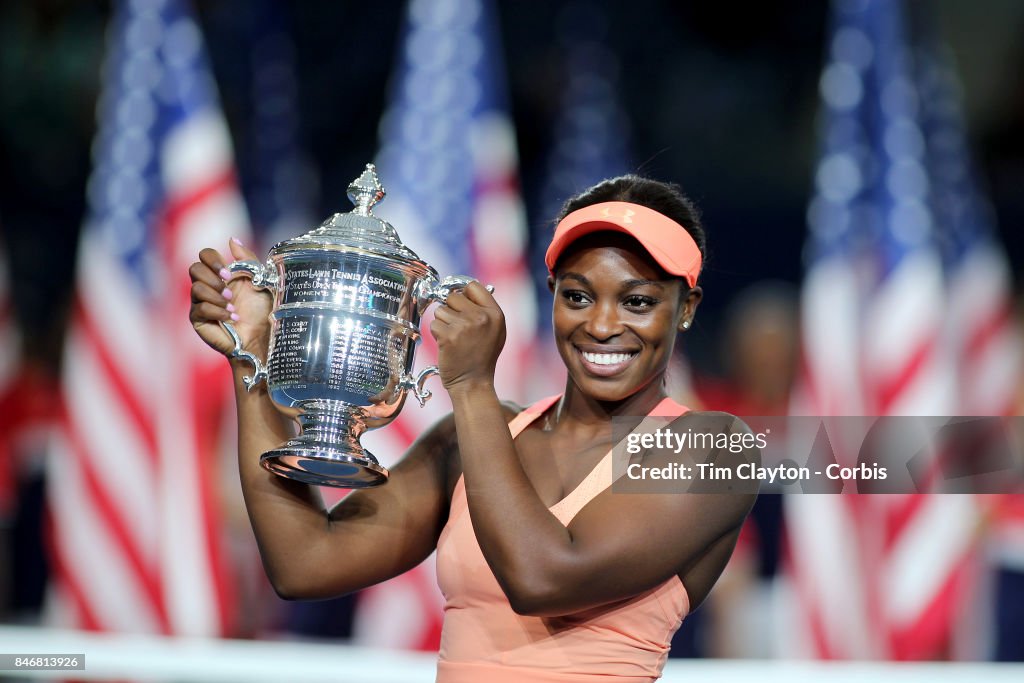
878, 577
986, 344
979, 314
135, 531
448, 161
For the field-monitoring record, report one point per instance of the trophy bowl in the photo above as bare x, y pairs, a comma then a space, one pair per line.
348, 298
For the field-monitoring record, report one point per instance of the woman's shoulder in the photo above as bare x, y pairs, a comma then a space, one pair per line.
442, 441
717, 436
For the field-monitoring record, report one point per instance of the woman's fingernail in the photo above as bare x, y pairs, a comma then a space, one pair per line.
224, 273
234, 316
231, 308
237, 241
226, 293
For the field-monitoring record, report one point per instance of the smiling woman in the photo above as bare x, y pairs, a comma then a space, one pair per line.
548, 575
624, 277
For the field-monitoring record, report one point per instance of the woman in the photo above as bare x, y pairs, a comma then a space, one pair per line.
548, 575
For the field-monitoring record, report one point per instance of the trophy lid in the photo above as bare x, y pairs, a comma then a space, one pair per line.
358, 228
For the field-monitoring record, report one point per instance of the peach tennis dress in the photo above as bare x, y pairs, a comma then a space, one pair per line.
484, 640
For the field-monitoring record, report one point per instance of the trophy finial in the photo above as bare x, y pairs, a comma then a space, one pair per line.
366, 190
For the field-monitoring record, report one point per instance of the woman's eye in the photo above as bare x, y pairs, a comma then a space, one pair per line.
641, 302
574, 296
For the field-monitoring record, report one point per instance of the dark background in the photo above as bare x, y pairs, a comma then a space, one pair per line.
720, 97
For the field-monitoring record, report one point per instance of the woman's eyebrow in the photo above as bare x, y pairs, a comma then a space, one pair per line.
626, 284
575, 276
630, 284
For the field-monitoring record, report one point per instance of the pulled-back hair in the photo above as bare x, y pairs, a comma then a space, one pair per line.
665, 198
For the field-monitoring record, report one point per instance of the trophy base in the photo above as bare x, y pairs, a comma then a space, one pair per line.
328, 452
325, 467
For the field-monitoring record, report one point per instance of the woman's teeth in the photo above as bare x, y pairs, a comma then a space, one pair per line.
607, 358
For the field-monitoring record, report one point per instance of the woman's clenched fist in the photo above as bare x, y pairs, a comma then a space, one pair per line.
470, 333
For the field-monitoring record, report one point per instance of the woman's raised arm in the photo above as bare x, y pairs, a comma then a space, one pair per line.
309, 551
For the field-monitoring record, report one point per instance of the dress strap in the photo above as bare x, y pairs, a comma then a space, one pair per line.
667, 408
601, 477
523, 419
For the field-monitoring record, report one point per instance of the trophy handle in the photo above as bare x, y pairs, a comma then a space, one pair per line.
260, 374
263, 277
431, 291
415, 384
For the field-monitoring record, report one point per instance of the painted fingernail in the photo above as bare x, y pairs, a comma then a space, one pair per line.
234, 316
237, 241
224, 273
231, 308
226, 293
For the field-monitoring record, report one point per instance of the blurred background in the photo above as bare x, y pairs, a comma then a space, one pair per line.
858, 164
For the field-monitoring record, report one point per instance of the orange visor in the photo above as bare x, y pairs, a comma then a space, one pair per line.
669, 243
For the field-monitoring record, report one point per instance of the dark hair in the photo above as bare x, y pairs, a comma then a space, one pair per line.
665, 198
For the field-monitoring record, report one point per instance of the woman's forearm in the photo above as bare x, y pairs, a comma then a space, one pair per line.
522, 541
286, 515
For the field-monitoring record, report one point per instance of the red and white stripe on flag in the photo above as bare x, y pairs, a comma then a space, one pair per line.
989, 347
134, 520
204, 207
882, 576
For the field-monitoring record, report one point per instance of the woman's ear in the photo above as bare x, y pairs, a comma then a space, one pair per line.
689, 308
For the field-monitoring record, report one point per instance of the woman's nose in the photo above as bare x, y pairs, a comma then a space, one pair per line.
604, 322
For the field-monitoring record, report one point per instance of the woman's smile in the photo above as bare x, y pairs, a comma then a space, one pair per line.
605, 362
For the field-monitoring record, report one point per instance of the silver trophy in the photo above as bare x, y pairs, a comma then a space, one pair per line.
348, 297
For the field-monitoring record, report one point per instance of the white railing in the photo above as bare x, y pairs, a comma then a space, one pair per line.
181, 660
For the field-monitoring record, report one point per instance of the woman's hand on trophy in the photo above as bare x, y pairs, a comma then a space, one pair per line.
218, 296
470, 333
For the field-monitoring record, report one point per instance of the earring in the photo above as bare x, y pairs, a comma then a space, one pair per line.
686, 324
